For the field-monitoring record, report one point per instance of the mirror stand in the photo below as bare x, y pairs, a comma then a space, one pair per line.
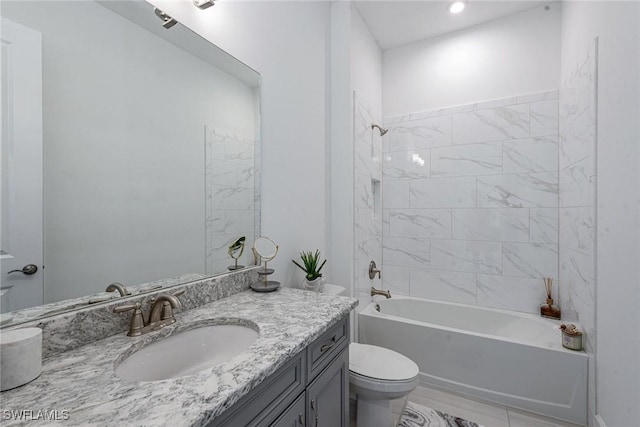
265, 249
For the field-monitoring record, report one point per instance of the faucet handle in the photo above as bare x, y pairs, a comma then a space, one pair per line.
373, 270
127, 307
167, 310
137, 321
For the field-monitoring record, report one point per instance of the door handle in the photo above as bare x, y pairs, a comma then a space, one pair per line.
315, 412
28, 269
328, 346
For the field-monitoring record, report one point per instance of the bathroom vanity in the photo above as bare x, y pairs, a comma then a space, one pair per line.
294, 374
311, 389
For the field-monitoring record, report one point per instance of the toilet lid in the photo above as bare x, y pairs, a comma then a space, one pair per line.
380, 363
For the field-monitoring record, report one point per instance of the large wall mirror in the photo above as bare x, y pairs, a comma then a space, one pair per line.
130, 152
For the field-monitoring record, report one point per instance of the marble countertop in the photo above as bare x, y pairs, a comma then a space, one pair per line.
80, 387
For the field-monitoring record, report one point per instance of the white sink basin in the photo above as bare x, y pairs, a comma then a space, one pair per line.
187, 353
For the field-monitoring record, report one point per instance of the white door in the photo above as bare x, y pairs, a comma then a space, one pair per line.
21, 168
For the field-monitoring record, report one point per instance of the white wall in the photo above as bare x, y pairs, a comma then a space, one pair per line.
476, 64
366, 64
287, 42
616, 24
340, 176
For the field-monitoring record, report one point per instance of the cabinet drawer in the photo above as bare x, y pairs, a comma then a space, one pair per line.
322, 351
267, 401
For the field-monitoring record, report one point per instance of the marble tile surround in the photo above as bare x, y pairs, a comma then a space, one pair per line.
471, 198
368, 209
232, 182
577, 212
71, 330
577, 190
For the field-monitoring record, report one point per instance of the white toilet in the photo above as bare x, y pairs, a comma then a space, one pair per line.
379, 375
332, 289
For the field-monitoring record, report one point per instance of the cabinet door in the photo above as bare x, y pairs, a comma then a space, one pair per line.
294, 416
328, 395
268, 400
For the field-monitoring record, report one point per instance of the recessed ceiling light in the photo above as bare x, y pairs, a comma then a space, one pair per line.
456, 7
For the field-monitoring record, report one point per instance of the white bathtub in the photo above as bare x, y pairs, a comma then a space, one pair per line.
511, 358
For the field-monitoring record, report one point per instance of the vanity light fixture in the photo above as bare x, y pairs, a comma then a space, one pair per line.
456, 6
167, 21
203, 4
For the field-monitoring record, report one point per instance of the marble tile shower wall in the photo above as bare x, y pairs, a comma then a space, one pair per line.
230, 185
577, 193
470, 202
368, 215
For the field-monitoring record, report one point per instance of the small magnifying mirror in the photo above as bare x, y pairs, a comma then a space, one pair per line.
265, 248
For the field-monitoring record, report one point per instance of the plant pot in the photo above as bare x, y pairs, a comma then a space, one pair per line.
315, 285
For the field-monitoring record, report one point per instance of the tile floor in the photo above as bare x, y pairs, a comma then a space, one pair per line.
484, 413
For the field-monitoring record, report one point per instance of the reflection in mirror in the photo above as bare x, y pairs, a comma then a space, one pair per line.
235, 251
143, 149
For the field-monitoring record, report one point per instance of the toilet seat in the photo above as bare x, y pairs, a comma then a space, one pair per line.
364, 378
379, 364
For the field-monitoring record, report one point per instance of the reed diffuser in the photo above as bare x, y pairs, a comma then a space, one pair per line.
549, 309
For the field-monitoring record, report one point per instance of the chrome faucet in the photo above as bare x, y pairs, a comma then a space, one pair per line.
115, 286
161, 314
386, 294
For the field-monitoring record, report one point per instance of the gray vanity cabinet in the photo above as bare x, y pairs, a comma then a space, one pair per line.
310, 390
328, 395
294, 416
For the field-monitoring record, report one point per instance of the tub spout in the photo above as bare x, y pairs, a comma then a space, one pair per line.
386, 294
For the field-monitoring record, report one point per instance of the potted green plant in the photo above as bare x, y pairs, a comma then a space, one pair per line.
312, 266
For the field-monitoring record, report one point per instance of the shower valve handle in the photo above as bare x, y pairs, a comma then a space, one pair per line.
373, 270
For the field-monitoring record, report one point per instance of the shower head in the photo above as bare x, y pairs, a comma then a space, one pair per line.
382, 130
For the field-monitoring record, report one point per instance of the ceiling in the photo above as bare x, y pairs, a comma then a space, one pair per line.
395, 23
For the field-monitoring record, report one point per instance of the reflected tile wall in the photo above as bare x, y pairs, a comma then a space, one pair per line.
470, 202
233, 201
